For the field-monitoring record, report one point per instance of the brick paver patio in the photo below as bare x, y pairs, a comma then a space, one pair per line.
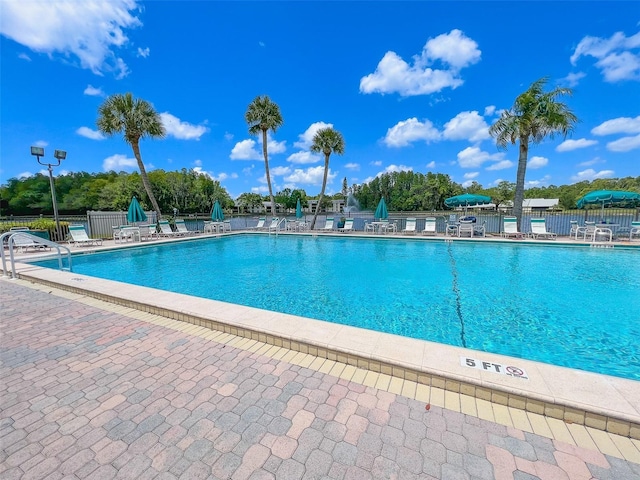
89, 393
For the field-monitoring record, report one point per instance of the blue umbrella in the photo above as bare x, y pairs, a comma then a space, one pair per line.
381, 211
216, 214
610, 197
135, 213
467, 199
299, 213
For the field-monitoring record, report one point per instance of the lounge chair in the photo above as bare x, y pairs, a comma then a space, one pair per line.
166, 230
181, 227
328, 224
148, 232
466, 228
539, 229
79, 237
23, 240
410, 226
429, 226
510, 228
348, 226
260, 225
274, 226
635, 230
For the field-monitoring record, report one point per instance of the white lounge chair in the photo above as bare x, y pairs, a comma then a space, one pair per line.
23, 241
166, 230
510, 228
348, 226
260, 225
148, 232
274, 226
429, 226
539, 229
79, 237
410, 226
328, 224
181, 227
635, 230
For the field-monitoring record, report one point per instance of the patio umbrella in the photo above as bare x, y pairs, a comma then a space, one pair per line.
299, 213
216, 214
467, 199
135, 213
381, 210
610, 197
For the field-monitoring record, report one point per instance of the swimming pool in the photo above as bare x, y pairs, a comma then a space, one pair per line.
574, 307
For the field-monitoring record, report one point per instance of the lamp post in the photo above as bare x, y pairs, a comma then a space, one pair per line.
59, 155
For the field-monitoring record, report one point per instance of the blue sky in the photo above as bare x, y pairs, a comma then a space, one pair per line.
410, 85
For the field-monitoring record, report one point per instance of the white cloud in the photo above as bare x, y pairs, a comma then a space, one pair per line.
536, 183
40, 143
569, 145
537, 162
310, 176
245, 150
119, 162
376, 163
591, 174
143, 52
411, 130
466, 126
248, 171
182, 130
453, 50
588, 163
197, 163
228, 136
490, 110
24, 56
616, 60
467, 183
618, 125
431, 164
471, 175
306, 139
25, 175
572, 79
91, 134
261, 189
473, 157
93, 91
352, 166
219, 177
397, 168
304, 157
262, 44
90, 30
279, 171
624, 144
273, 147
500, 165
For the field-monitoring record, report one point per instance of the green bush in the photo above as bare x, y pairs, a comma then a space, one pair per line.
39, 224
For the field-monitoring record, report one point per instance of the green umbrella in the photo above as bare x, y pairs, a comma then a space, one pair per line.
216, 214
610, 197
135, 213
381, 211
299, 213
467, 199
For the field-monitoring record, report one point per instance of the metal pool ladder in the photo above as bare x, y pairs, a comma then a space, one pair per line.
35, 240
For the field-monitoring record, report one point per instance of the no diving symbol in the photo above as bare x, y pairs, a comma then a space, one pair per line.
515, 371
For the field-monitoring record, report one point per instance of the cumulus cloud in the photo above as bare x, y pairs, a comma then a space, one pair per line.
93, 91
490, 110
473, 157
245, 150
220, 177
279, 171
310, 176
91, 134
99, 30
304, 157
617, 57
411, 130
471, 175
624, 144
569, 145
453, 51
466, 126
352, 166
119, 162
431, 164
618, 125
590, 174
273, 147
181, 130
397, 168
306, 139
537, 162
572, 79
500, 165
143, 52
536, 183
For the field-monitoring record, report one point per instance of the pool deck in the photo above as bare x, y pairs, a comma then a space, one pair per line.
601, 402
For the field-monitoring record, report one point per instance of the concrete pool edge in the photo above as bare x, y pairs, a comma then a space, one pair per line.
606, 403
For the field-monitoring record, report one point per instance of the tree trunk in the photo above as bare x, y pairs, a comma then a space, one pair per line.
266, 169
324, 185
145, 179
522, 169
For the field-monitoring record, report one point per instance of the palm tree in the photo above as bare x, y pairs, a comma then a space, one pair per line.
327, 141
534, 115
264, 115
135, 119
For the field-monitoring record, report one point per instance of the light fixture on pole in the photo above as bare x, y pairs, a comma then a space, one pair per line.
59, 155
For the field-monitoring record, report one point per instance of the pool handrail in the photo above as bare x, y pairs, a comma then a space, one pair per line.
35, 239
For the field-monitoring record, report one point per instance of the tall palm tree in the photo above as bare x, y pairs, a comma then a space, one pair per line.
327, 141
264, 115
135, 119
535, 115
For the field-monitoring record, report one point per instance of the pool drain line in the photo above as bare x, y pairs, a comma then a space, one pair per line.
456, 291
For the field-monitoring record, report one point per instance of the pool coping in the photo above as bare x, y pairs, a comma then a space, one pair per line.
599, 401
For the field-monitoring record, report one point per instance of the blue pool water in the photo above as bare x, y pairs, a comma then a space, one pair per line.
575, 307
